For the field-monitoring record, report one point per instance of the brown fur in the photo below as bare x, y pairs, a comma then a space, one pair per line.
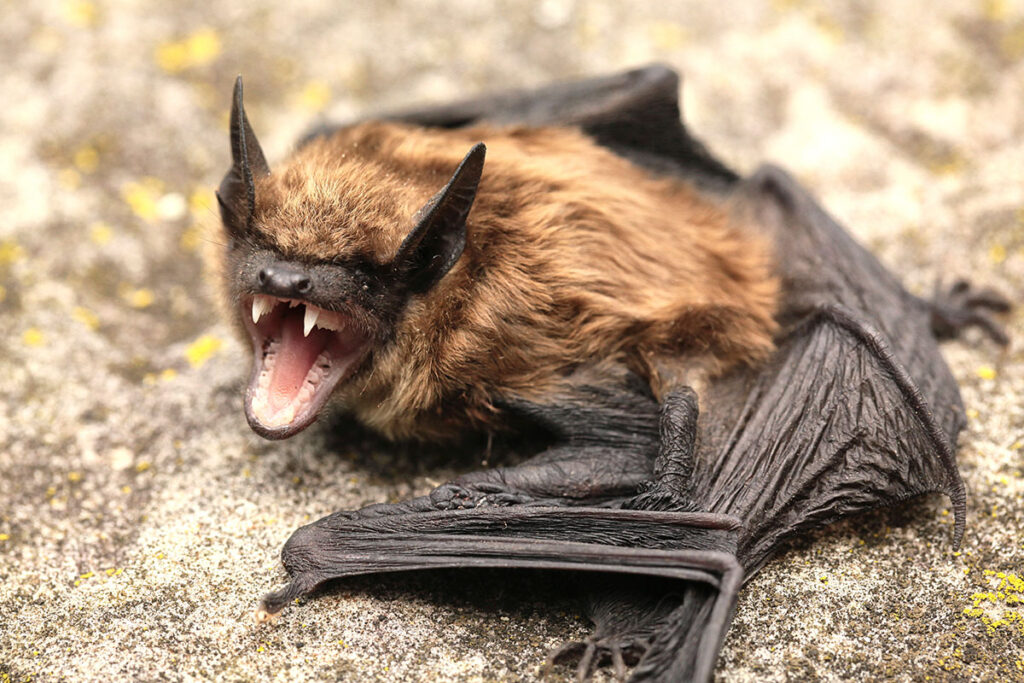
574, 256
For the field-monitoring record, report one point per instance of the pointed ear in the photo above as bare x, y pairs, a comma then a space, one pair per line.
237, 193
437, 241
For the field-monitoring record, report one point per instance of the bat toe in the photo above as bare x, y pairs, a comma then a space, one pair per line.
963, 306
595, 653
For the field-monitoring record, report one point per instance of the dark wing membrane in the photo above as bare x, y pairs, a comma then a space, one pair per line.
822, 265
857, 408
635, 114
694, 548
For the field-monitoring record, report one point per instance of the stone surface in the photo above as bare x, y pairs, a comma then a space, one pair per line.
140, 520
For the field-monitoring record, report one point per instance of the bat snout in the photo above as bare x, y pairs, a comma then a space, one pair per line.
285, 280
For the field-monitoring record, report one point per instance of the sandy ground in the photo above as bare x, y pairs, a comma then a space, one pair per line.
140, 519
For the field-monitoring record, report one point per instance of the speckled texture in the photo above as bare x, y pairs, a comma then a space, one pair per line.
140, 520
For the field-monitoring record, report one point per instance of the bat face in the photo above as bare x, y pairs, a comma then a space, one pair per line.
315, 320
311, 328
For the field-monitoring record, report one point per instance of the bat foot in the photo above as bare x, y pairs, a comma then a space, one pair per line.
594, 653
963, 306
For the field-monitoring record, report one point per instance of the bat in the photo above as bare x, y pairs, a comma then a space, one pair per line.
716, 365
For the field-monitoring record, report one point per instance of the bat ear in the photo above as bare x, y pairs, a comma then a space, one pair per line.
437, 241
237, 193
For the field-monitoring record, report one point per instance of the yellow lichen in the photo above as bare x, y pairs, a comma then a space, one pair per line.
33, 336
10, 251
994, 10
315, 96
668, 35
986, 372
992, 607
142, 466
202, 349
100, 233
201, 201
1012, 43
142, 196
80, 13
86, 159
191, 238
139, 298
74, 476
86, 317
198, 49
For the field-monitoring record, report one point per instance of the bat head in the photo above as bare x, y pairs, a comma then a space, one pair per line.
316, 317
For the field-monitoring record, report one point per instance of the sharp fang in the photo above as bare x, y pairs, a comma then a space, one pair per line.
312, 313
260, 305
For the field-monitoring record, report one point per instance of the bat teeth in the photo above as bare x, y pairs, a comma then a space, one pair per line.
330, 321
312, 314
261, 304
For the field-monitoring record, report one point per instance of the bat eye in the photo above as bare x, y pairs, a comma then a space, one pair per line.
283, 279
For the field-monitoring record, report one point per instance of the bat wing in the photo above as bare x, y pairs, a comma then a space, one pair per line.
635, 114
856, 410
696, 549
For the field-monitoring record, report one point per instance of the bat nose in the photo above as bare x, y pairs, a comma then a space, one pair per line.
284, 279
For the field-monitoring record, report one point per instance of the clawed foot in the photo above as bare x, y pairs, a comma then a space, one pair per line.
594, 653
962, 307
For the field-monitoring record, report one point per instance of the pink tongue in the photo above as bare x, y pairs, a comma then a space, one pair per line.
293, 360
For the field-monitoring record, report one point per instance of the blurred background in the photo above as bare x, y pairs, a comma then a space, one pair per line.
140, 521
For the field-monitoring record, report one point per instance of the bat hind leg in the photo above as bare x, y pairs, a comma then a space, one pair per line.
646, 625
962, 306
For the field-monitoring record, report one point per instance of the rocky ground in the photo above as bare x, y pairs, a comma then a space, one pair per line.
140, 519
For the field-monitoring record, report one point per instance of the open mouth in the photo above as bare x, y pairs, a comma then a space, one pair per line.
301, 352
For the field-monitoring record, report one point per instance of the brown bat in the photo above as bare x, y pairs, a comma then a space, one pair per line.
599, 278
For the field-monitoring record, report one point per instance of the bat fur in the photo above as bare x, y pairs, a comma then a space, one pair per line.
573, 256
600, 276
